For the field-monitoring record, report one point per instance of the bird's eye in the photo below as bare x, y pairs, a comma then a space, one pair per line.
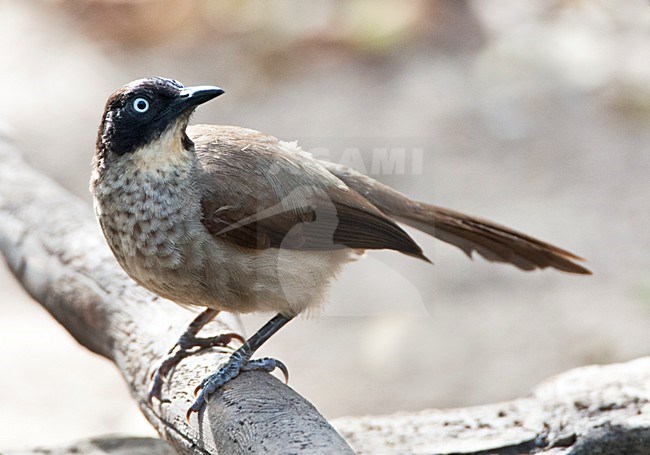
140, 105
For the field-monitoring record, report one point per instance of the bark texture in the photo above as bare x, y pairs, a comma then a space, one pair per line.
589, 410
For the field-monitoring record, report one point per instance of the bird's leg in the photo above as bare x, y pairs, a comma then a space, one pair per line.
186, 344
240, 360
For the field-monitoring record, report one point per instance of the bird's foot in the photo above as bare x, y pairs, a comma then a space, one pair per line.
187, 345
236, 364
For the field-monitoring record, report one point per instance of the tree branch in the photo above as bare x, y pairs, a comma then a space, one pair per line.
53, 245
585, 411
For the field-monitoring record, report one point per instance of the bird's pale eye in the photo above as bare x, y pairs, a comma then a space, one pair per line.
141, 105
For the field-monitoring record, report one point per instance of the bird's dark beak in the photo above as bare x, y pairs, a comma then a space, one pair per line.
190, 97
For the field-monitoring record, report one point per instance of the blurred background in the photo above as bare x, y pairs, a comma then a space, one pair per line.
534, 114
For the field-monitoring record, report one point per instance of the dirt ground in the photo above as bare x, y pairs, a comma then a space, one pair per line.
532, 116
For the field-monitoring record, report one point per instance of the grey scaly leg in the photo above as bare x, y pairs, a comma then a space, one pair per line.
186, 344
240, 360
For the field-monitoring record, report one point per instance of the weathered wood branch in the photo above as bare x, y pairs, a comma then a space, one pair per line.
53, 245
586, 411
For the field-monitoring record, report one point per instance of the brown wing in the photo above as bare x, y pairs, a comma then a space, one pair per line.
263, 193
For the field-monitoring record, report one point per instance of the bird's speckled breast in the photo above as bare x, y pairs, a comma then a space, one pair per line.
148, 218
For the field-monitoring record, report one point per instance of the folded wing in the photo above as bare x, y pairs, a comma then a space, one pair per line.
264, 193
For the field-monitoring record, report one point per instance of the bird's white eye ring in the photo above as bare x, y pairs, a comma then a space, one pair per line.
141, 105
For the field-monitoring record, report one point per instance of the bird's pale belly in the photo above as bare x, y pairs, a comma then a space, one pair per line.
202, 271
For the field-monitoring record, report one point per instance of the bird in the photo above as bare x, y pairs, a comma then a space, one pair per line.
226, 218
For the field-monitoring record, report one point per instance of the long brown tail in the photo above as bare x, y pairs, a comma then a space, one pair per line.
492, 241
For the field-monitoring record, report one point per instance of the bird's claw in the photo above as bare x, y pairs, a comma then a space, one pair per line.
229, 371
267, 364
183, 348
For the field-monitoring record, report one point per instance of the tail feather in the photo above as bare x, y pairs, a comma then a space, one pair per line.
492, 241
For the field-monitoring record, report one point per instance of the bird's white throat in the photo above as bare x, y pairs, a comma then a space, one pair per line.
164, 154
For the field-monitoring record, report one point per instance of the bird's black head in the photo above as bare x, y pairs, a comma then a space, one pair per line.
141, 111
